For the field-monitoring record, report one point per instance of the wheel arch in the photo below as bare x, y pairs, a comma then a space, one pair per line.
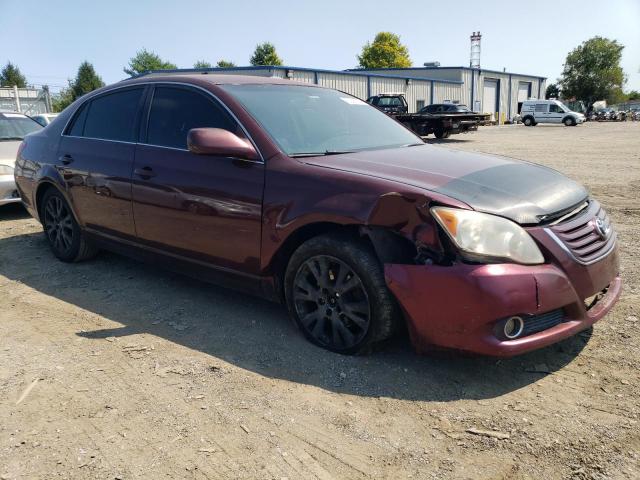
45, 185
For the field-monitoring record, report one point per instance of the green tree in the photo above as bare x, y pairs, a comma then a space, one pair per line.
11, 76
202, 64
265, 54
86, 81
633, 95
225, 64
386, 51
592, 71
144, 60
553, 91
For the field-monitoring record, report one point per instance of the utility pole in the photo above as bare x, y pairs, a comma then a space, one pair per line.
17, 98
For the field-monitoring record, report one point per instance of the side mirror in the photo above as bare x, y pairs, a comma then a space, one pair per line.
223, 143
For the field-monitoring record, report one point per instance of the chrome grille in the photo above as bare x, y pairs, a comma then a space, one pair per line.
581, 237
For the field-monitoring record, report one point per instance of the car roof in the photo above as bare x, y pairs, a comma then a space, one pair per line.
213, 78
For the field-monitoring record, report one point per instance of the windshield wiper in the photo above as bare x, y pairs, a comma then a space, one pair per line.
319, 154
11, 138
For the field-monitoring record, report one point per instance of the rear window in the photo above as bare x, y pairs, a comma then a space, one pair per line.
110, 117
14, 126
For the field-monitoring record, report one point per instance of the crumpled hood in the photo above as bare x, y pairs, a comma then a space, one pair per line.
521, 191
8, 152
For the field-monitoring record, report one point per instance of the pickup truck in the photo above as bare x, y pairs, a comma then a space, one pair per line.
441, 119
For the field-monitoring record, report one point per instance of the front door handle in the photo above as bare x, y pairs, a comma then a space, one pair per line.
145, 172
66, 159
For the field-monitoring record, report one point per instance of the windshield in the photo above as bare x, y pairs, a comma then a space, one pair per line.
16, 126
319, 121
563, 106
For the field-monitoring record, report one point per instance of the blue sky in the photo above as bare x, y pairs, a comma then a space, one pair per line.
49, 39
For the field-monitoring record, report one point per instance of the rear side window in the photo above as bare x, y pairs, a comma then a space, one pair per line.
541, 107
77, 128
175, 111
112, 116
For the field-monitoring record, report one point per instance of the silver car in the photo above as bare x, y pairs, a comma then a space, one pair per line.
13, 128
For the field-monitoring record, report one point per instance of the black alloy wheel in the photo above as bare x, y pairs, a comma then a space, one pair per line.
58, 225
336, 293
61, 229
331, 302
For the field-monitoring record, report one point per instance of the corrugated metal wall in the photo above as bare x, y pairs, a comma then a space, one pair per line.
354, 84
418, 90
447, 92
303, 76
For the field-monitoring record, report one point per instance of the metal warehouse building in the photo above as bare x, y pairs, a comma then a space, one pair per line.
487, 91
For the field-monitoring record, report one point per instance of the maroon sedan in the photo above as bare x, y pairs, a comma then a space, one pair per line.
309, 196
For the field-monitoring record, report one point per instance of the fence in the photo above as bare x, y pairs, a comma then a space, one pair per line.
29, 101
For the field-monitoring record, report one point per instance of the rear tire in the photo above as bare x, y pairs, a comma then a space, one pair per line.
441, 133
337, 295
66, 240
528, 122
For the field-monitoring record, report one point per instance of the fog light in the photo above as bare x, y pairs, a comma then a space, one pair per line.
513, 327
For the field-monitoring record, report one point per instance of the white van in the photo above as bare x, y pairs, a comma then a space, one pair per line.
548, 111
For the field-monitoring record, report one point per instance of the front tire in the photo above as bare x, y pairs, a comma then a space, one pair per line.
442, 133
65, 238
569, 122
337, 295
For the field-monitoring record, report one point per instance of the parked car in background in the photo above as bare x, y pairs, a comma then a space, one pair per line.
13, 128
44, 119
549, 111
311, 197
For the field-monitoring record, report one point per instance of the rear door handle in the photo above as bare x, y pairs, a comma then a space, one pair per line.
66, 159
145, 172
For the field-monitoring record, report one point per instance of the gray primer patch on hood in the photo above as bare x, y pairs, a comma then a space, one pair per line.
522, 192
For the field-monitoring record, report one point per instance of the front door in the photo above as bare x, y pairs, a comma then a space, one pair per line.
203, 207
556, 113
95, 158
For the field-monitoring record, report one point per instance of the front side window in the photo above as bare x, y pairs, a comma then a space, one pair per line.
175, 111
319, 121
111, 116
555, 108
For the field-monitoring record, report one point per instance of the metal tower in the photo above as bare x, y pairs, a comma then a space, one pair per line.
474, 61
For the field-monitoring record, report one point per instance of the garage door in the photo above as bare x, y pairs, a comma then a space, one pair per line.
490, 96
524, 91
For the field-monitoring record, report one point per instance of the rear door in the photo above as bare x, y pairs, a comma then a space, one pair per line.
95, 158
204, 207
541, 112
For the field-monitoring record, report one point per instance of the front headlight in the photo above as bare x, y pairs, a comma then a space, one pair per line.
6, 170
487, 237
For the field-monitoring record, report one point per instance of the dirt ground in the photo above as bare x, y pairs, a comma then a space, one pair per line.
112, 369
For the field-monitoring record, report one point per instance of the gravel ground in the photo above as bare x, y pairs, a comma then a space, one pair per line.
114, 369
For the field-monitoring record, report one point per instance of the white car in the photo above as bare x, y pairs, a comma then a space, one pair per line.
549, 111
44, 119
13, 128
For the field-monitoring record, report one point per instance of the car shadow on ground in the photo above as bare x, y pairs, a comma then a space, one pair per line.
12, 211
256, 335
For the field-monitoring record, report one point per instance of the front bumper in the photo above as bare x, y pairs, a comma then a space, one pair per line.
459, 306
8, 190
